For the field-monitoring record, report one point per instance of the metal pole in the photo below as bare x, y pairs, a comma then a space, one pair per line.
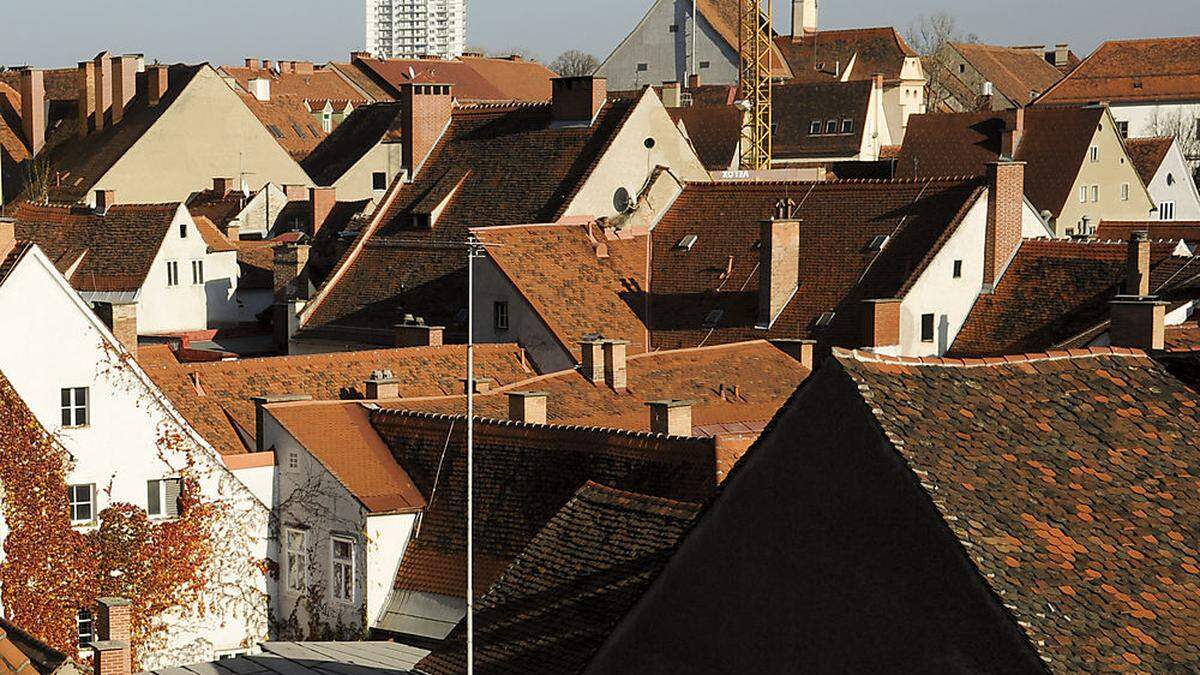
471, 245
695, 28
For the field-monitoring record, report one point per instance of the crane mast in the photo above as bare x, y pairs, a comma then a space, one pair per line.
754, 83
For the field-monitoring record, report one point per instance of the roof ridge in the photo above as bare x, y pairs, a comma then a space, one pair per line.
623, 433
862, 356
367, 354
639, 500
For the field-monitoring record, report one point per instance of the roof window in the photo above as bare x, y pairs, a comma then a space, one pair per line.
878, 242
825, 319
713, 318
687, 242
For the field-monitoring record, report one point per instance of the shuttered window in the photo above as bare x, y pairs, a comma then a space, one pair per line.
162, 497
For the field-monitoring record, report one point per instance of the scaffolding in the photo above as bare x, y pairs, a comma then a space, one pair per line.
754, 83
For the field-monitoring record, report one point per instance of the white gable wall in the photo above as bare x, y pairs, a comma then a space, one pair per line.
666, 54
171, 309
1174, 183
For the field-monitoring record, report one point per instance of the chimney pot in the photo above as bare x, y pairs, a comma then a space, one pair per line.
413, 333
592, 360
382, 385
321, 201
121, 319
295, 193
672, 96
254, 64
779, 268
114, 620
578, 99
482, 385
1137, 265
1010, 140
694, 81
804, 17
671, 417
881, 323
111, 653
157, 81
302, 67
425, 114
33, 109
1138, 323
233, 231
615, 373
267, 65
1006, 203
801, 350
527, 406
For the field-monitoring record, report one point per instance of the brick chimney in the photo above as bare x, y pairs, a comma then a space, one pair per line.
1137, 265
253, 64
1137, 322
1062, 55
86, 98
414, 333
672, 95
591, 360
289, 270
1006, 202
223, 186
104, 200
694, 81
124, 84
121, 319
1014, 131
321, 201
287, 67
111, 652
881, 323
233, 231
804, 17
295, 193
671, 417
578, 99
425, 115
158, 80
103, 90
527, 406
778, 268
382, 384
303, 67
33, 109
267, 64
615, 372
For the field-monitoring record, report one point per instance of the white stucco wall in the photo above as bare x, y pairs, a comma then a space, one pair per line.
261, 211
54, 342
1173, 183
261, 483
666, 53
1141, 117
387, 539
357, 184
525, 326
170, 309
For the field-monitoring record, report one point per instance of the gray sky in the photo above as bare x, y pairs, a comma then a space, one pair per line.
224, 31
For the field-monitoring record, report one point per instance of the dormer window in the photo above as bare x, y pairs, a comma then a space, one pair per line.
831, 127
815, 127
847, 126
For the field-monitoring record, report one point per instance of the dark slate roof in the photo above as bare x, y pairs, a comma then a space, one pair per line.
797, 106
961, 144
816, 57
1057, 291
353, 138
325, 658
524, 474
114, 252
1147, 155
714, 130
499, 166
554, 606
838, 269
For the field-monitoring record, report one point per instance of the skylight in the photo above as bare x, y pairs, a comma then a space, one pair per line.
713, 318
825, 319
687, 242
878, 242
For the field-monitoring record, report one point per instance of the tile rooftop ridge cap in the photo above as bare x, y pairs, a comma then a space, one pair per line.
505, 423
499, 347
693, 350
638, 501
477, 106
861, 356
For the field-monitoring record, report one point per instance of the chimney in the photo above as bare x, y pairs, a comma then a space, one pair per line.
694, 81
121, 319
158, 79
527, 406
881, 323
33, 109
233, 231
321, 201
124, 84
1137, 322
1010, 140
111, 652
1137, 265
358, 56
8, 236
267, 64
877, 79
253, 64
103, 90
591, 360
105, 199
414, 333
287, 67
260, 413
260, 88
671, 417
1062, 55
223, 186
804, 17
425, 115
295, 193
303, 67
578, 99
289, 271
801, 350
382, 384
482, 385
1006, 201
778, 268
615, 373
672, 95
86, 99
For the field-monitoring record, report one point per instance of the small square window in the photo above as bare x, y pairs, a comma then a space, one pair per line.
500, 315
831, 127
183, 230
82, 499
379, 181
84, 628
815, 127
705, 65
847, 126
162, 497
643, 67
674, 28
74, 406
926, 328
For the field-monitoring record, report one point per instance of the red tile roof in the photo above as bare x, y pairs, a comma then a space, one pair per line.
556, 604
321, 84
12, 138
62, 84
1183, 338
816, 57
1134, 71
217, 242
961, 144
1147, 154
474, 78
288, 121
1019, 74
1170, 230
714, 130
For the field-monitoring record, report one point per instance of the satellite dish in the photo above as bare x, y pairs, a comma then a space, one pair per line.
412, 74
621, 201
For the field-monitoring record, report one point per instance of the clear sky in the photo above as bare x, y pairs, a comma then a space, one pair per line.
63, 32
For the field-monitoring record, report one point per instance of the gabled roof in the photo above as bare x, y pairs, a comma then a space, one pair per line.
556, 604
838, 268
797, 106
366, 127
474, 78
1148, 154
1019, 74
288, 121
1053, 147
12, 139
321, 83
714, 130
522, 169
523, 475
1054, 291
216, 241
218, 208
817, 57
110, 252
725, 17
215, 398
1134, 71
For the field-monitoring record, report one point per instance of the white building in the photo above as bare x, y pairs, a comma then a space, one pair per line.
1165, 170
415, 28
128, 445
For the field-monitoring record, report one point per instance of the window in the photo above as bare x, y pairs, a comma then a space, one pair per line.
275, 131
1124, 192
83, 503
957, 269
847, 126
162, 497
831, 127
1166, 211
74, 401
643, 67
1082, 194
926, 328
704, 64
183, 230
297, 559
962, 68
674, 28
327, 122
343, 569
1123, 129
172, 273
1095, 193
1094, 154
197, 272
500, 315
83, 627
825, 319
293, 460
379, 180
1170, 179
815, 127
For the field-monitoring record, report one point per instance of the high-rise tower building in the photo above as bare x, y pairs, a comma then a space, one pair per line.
414, 28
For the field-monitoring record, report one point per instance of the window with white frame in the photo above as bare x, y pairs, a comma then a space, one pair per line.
1124, 192
1166, 211
1123, 129
814, 128
82, 499
342, 566
297, 559
74, 406
1082, 194
831, 127
197, 272
84, 628
162, 497
1095, 193
1094, 153
172, 273
847, 126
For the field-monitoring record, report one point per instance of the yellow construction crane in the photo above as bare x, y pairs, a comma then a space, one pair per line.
754, 83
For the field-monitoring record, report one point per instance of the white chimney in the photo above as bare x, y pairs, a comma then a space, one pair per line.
260, 87
804, 17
